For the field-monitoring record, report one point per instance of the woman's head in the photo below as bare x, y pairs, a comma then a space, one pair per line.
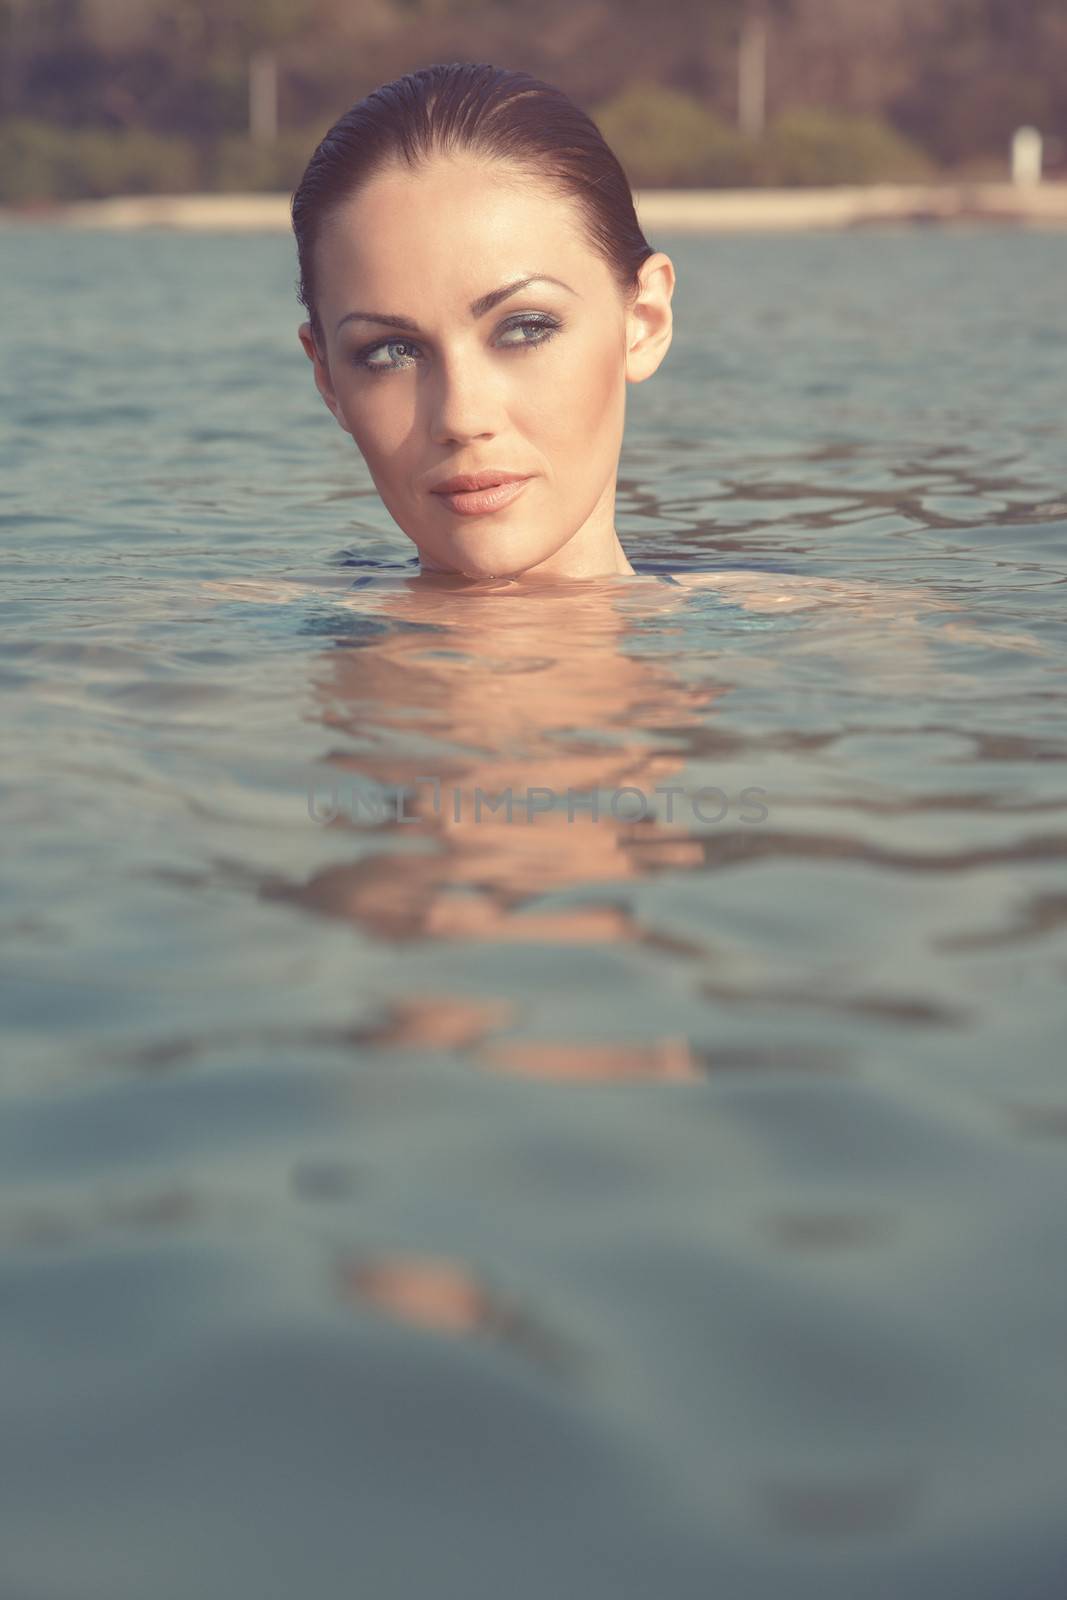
426, 198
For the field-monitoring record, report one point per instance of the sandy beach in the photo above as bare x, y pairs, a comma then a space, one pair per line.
684, 210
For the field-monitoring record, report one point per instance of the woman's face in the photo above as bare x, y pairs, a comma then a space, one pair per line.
534, 384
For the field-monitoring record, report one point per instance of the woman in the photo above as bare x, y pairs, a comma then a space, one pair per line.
479, 294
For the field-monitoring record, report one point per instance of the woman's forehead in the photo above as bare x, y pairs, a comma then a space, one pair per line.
453, 223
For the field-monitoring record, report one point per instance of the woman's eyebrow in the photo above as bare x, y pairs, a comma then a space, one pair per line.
478, 308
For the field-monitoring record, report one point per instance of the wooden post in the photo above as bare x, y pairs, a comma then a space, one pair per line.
263, 97
752, 69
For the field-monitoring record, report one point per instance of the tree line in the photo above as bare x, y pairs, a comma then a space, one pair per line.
940, 83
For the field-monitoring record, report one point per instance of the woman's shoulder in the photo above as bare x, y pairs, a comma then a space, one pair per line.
769, 589
759, 580
755, 590
776, 589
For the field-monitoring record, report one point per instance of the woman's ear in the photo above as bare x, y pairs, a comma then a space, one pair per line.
322, 373
649, 322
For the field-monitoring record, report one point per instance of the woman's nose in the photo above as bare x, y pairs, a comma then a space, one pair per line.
463, 402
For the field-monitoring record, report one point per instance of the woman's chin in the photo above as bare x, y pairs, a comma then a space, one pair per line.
485, 558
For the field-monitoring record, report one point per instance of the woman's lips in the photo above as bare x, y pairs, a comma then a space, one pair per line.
477, 502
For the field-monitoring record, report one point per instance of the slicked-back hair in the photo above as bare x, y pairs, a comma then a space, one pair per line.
505, 116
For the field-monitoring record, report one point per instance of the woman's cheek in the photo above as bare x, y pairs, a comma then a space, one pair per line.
581, 406
379, 431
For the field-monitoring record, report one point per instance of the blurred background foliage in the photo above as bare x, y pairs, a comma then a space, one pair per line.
102, 97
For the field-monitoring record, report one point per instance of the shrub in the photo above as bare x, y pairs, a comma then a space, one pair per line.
239, 164
28, 153
665, 138
825, 148
39, 161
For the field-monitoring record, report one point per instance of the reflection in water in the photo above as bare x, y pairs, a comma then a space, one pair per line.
469, 1026
444, 1296
667, 1060
429, 1293
531, 741
464, 701
521, 689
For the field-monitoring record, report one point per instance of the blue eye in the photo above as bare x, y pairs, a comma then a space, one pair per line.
363, 359
542, 326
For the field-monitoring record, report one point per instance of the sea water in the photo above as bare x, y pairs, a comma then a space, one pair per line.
401, 1201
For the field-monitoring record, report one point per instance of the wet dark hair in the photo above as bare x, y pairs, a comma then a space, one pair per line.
504, 115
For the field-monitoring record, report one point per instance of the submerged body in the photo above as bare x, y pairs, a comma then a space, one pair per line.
745, 590
515, 701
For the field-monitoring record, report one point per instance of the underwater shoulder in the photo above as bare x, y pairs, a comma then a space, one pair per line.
752, 589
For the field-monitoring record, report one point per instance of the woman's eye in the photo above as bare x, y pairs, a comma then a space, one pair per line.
364, 358
537, 330
542, 327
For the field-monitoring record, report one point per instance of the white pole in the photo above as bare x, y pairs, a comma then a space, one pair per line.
263, 97
1026, 156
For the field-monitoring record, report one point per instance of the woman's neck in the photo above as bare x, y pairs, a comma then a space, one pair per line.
587, 555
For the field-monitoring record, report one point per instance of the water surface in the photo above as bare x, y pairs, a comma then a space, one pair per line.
658, 1205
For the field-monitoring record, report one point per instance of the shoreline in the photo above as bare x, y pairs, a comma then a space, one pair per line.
1041, 205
